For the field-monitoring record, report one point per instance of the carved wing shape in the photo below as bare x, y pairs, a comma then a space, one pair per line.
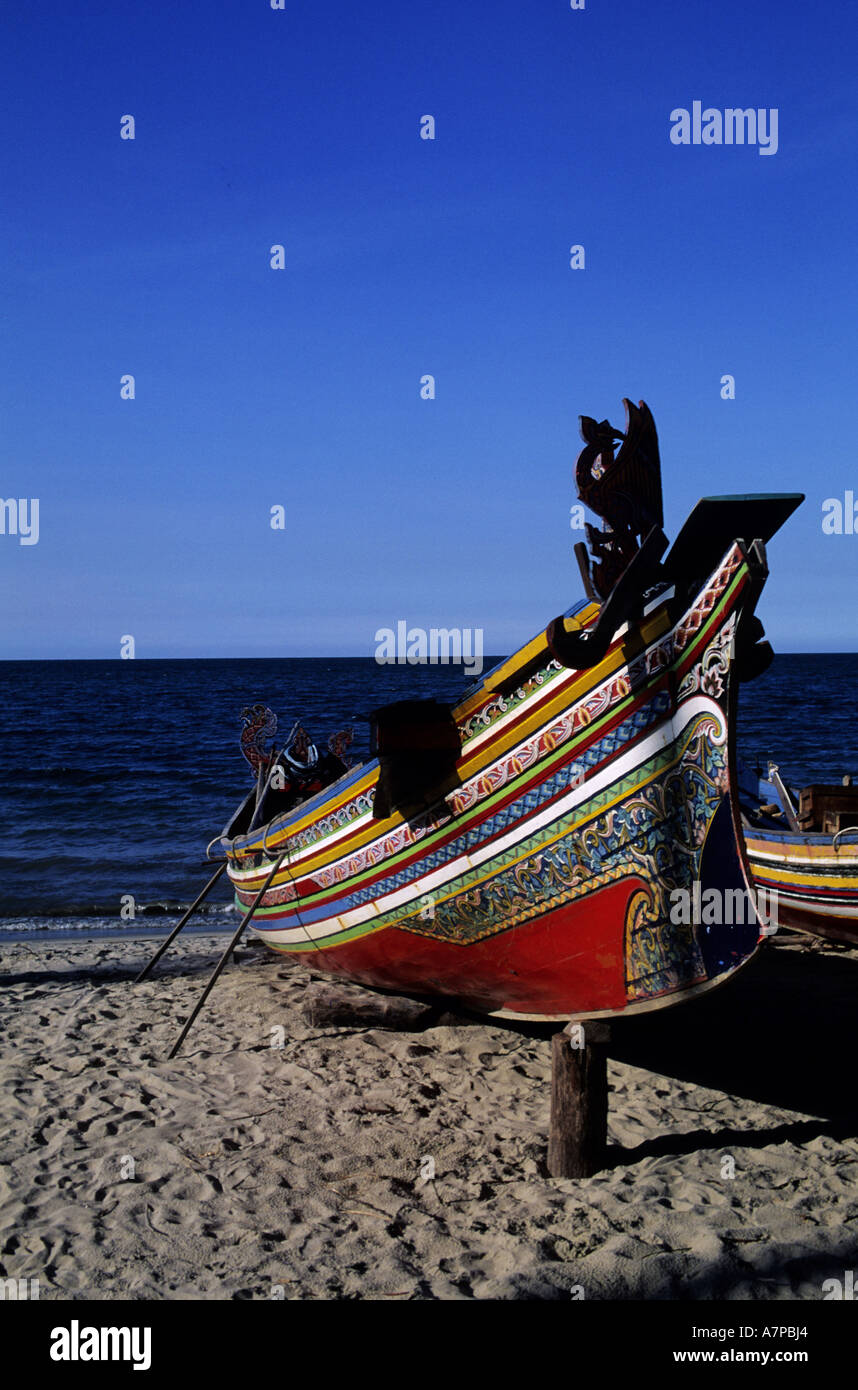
624, 490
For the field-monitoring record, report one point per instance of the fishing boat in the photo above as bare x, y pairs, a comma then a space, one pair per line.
802, 847
522, 852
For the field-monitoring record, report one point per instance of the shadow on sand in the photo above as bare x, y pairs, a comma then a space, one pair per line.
779, 1033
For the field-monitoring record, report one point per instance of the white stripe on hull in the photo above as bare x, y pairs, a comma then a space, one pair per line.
805, 862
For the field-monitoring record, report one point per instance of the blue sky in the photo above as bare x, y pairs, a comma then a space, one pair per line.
301, 387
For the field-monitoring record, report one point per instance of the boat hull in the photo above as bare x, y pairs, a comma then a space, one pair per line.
816, 885
547, 885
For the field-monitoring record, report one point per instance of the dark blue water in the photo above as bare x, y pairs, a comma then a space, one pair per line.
117, 774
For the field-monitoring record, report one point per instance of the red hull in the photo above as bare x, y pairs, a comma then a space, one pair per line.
533, 970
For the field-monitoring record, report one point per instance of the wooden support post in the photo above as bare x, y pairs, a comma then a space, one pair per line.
578, 1138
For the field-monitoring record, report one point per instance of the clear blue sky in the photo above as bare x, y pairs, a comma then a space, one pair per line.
300, 387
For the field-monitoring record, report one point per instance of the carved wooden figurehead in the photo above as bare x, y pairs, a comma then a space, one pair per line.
624, 490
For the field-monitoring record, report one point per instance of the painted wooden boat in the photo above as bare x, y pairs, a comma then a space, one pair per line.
803, 847
577, 788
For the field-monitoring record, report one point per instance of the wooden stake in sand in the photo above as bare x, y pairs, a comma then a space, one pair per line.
578, 1137
226, 955
175, 932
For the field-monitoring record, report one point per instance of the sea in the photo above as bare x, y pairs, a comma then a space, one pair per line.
118, 774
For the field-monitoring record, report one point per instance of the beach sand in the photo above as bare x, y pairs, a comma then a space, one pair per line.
243, 1170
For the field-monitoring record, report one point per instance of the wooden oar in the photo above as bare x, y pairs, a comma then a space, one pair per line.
175, 932
226, 955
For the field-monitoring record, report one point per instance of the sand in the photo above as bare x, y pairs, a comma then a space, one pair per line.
243, 1170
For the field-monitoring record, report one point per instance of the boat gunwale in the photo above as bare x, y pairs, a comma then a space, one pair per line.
377, 832
646, 631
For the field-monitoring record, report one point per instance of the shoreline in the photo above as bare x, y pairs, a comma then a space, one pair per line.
92, 935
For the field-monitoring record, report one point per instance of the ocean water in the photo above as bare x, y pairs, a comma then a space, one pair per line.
117, 774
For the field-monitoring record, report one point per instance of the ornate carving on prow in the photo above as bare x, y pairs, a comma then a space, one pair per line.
625, 491
260, 725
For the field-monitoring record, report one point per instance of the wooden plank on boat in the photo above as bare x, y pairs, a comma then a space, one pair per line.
578, 1136
716, 522
522, 664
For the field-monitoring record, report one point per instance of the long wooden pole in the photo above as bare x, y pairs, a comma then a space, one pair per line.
175, 932
226, 955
